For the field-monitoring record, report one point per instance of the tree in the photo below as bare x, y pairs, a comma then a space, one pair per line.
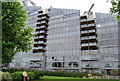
15, 37
115, 9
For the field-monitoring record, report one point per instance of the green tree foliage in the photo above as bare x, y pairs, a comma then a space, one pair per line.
115, 9
15, 37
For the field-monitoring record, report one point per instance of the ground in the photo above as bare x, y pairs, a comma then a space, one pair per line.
53, 78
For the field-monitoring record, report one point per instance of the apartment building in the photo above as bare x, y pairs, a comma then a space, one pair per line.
68, 41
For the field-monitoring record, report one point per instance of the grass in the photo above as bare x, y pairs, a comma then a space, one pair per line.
55, 78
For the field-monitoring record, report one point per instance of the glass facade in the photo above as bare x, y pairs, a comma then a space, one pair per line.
107, 30
63, 40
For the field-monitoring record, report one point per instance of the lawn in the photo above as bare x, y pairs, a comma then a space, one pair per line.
54, 78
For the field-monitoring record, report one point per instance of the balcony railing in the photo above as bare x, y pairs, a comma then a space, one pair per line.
36, 37
35, 42
83, 38
92, 37
41, 42
40, 53
84, 32
42, 31
82, 26
88, 44
40, 27
84, 44
40, 48
92, 44
83, 20
41, 37
41, 22
42, 17
91, 25
91, 58
89, 51
37, 32
91, 31
90, 65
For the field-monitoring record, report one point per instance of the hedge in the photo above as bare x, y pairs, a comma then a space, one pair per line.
39, 74
17, 76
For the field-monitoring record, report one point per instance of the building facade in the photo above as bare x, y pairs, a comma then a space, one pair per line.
63, 40
68, 41
108, 42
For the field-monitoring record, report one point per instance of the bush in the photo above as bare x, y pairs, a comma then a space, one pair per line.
12, 70
31, 75
6, 76
38, 74
61, 74
17, 76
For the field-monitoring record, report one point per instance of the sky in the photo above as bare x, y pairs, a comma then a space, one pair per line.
83, 5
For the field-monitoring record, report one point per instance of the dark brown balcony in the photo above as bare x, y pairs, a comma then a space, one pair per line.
40, 11
38, 50
91, 21
42, 23
41, 28
82, 23
42, 19
40, 44
42, 15
83, 17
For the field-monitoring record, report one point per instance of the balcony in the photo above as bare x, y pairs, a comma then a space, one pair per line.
89, 25
92, 37
83, 17
82, 32
41, 28
89, 59
37, 32
41, 22
40, 48
42, 18
93, 51
92, 44
90, 65
40, 53
36, 37
42, 15
84, 26
40, 42
35, 42
41, 37
84, 44
89, 51
91, 21
84, 38
91, 31
83, 20
42, 32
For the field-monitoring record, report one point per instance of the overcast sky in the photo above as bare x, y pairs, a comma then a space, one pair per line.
82, 5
